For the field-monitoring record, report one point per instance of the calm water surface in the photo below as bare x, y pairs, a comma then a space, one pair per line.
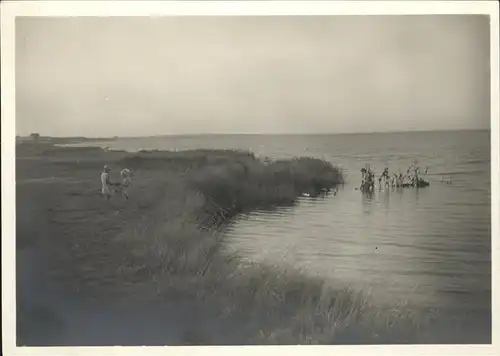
431, 247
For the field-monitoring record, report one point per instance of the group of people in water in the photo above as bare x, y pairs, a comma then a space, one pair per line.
109, 188
412, 178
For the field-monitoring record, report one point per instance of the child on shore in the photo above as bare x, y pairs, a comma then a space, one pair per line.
126, 183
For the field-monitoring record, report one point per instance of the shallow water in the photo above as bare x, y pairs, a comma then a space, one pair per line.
430, 247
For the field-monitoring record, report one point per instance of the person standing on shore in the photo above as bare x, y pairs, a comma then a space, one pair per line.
126, 183
107, 189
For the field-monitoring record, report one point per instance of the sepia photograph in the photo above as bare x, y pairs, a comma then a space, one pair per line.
225, 180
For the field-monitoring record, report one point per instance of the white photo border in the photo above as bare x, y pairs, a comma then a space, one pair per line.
12, 9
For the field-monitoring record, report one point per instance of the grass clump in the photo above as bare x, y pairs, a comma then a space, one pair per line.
247, 183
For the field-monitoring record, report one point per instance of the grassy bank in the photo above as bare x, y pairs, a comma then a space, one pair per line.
164, 244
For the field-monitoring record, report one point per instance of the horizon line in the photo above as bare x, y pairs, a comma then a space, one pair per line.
267, 134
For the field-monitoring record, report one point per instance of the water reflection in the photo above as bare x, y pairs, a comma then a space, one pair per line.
385, 199
367, 195
367, 201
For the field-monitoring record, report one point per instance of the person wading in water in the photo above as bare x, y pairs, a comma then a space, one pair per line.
363, 177
367, 181
385, 177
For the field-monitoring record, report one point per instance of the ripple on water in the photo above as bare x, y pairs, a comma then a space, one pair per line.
430, 247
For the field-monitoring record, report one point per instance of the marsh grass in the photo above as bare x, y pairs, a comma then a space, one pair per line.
165, 244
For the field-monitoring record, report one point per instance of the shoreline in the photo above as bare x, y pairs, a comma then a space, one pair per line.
164, 244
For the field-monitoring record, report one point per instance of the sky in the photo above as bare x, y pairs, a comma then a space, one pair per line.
101, 77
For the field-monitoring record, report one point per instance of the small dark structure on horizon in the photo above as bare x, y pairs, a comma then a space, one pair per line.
35, 136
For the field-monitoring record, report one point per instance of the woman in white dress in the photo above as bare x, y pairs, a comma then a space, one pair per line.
107, 187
